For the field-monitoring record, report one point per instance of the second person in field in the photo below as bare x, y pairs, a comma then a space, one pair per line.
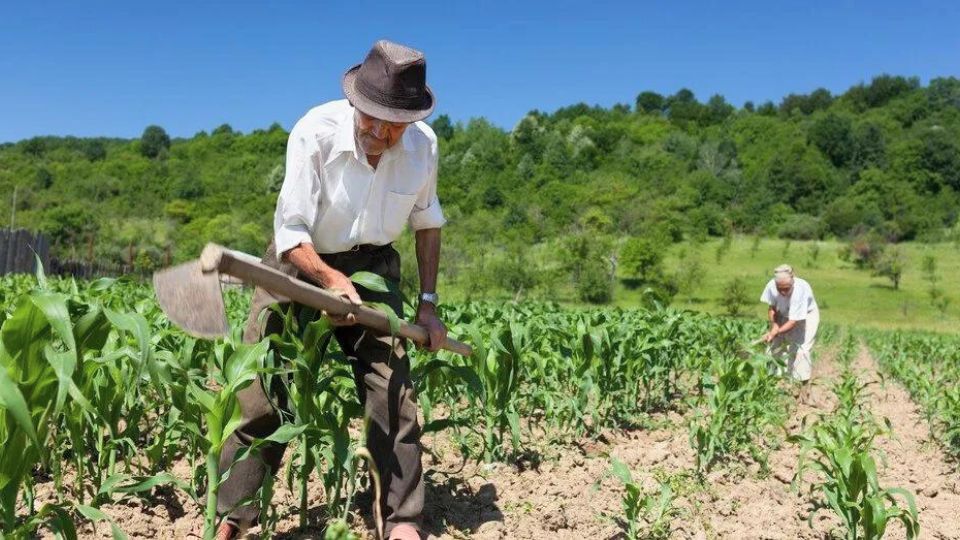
794, 319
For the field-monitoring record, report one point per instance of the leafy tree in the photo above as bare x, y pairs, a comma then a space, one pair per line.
890, 264
717, 109
941, 156
819, 99
735, 296
833, 135
44, 178
650, 102
94, 150
683, 107
223, 129
595, 283
767, 109
870, 145
880, 91
154, 142
641, 259
443, 127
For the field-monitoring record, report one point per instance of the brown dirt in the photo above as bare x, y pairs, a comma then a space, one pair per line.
566, 493
913, 461
744, 502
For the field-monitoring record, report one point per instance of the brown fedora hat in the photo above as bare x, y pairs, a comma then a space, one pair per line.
390, 84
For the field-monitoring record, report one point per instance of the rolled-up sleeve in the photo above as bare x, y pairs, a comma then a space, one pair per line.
299, 196
426, 213
768, 296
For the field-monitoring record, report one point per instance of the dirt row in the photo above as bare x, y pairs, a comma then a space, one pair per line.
567, 493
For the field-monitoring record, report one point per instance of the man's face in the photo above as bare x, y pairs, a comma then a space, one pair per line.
373, 135
784, 288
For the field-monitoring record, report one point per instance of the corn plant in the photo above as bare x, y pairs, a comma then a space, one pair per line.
655, 509
838, 448
839, 452
497, 363
238, 367
742, 403
928, 367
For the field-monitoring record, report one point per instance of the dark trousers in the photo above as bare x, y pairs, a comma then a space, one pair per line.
382, 372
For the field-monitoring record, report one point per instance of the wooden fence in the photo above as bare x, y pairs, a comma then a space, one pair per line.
20, 248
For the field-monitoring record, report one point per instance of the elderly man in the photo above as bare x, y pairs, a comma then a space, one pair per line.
794, 318
357, 171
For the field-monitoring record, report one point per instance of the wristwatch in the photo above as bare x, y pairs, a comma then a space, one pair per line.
431, 297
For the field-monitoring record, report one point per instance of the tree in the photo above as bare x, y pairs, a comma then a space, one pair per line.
595, 284
94, 150
817, 100
890, 265
683, 107
443, 127
735, 296
641, 259
154, 142
881, 90
717, 110
870, 145
833, 135
941, 155
650, 102
223, 129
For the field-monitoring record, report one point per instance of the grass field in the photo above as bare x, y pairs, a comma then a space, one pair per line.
846, 295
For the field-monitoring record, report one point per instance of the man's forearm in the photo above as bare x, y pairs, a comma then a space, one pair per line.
428, 258
772, 315
306, 260
787, 326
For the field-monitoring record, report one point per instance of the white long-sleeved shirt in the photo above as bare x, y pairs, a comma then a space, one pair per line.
794, 306
332, 198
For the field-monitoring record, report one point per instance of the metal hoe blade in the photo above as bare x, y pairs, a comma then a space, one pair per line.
192, 299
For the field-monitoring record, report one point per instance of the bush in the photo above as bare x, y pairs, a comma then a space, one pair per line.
735, 296
595, 284
641, 259
890, 264
801, 227
864, 250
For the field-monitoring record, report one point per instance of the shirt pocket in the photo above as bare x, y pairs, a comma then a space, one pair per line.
396, 211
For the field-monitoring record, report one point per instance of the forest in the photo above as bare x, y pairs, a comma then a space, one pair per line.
574, 198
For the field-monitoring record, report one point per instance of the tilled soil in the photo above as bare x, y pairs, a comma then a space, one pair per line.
567, 493
913, 461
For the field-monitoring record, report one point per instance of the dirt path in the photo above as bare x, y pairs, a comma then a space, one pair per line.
913, 461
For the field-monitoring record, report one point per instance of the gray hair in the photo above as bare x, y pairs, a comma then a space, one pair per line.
783, 274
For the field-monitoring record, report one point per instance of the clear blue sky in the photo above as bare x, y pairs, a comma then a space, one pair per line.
112, 68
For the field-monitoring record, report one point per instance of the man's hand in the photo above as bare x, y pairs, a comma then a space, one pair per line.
427, 318
768, 337
339, 284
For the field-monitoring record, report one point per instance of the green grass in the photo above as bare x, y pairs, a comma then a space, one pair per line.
846, 295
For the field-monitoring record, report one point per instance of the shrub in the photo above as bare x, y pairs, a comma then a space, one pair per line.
595, 284
735, 296
801, 227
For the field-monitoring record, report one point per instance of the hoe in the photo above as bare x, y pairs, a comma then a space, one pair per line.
190, 295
